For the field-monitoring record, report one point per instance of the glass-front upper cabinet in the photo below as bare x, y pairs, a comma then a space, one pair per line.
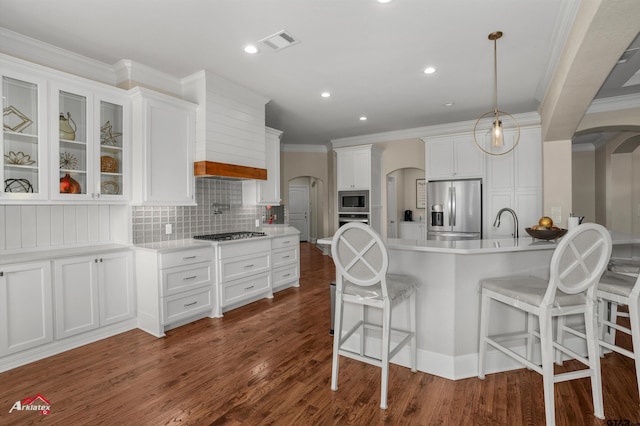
90, 142
112, 118
23, 141
70, 123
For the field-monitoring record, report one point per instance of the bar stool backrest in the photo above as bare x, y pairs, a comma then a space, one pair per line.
359, 255
579, 260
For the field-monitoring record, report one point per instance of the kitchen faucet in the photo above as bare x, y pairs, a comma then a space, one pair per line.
496, 222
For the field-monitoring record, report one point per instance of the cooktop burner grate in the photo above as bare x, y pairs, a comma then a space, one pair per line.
228, 236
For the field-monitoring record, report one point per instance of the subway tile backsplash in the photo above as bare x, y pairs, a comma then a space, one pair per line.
219, 209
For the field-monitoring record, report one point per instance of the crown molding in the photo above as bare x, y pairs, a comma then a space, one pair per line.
615, 103
305, 148
39, 52
525, 120
132, 73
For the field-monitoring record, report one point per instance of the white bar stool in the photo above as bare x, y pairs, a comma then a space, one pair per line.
361, 261
576, 265
619, 290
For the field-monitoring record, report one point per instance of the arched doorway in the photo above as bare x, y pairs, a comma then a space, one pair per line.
606, 177
402, 196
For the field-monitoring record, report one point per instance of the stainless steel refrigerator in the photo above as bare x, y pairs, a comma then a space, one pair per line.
454, 209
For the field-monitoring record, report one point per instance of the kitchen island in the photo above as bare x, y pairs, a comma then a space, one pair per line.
448, 275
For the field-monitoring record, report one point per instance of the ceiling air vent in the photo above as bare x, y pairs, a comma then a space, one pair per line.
279, 40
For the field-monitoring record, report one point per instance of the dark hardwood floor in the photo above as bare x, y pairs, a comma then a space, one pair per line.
270, 363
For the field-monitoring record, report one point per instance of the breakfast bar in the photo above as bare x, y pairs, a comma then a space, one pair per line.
448, 275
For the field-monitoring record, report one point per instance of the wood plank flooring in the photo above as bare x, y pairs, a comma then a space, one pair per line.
269, 363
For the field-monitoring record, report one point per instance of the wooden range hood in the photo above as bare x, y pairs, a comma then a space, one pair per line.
233, 171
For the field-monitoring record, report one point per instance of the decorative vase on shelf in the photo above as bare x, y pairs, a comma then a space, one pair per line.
66, 131
69, 185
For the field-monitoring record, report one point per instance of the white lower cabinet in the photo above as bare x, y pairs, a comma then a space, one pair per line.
413, 230
76, 295
26, 311
285, 254
53, 305
244, 273
92, 291
174, 287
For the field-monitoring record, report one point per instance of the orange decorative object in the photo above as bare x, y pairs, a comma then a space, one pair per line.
69, 185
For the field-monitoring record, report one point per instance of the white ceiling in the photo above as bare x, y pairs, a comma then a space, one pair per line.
370, 56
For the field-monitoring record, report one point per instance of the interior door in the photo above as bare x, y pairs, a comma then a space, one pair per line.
392, 209
299, 209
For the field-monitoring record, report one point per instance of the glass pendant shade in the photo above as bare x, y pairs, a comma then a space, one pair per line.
496, 134
490, 122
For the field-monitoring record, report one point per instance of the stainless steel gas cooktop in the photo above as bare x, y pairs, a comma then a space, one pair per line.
228, 236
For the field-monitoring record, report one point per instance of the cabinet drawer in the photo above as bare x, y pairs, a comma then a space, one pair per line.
186, 257
186, 304
182, 278
241, 248
288, 241
284, 256
285, 275
231, 269
240, 290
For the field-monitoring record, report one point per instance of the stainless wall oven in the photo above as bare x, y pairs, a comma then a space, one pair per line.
353, 201
345, 218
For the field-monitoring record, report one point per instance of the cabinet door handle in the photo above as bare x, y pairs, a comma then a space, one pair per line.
190, 278
1, 274
100, 260
286, 242
188, 257
286, 275
191, 304
250, 287
286, 257
95, 260
249, 266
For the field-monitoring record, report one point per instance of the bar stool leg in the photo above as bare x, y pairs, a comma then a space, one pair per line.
484, 332
413, 345
634, 317
386, 333
546, 343
337, 338
591, 325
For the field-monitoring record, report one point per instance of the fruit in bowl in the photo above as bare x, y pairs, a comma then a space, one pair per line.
546, 222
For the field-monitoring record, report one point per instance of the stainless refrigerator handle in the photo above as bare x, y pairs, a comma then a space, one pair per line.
452, 198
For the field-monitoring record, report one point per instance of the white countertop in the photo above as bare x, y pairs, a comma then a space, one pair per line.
34, 255
272, 231
487, 245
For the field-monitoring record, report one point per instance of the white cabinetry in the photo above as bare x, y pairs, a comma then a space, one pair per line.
26, 312
267, 193
413, 230
92, 291
354, 168
244, 272
89, 142
174, 287
24, 169
453, 156
164, 140
514, 180
70, 143
359, 168
285, 255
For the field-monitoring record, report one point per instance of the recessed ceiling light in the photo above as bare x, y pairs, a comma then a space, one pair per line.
384, 1
363, 118
251, 49
429, 70
325, 94
448, 104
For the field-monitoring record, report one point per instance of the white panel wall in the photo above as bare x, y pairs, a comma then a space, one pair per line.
31, 226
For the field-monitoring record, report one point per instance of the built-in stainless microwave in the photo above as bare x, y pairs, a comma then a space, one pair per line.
353, 201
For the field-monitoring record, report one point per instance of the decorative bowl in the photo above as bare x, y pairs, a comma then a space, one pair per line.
546, 234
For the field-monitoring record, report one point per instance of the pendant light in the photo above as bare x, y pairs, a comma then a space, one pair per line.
481, 131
